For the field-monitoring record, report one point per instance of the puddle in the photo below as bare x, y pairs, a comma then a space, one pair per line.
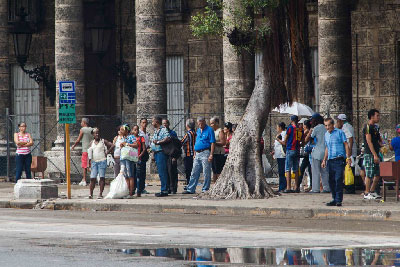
277, 256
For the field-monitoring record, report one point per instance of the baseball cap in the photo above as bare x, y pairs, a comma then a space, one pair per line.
342, 117
303, 120
316, 116
294, 118
398, 128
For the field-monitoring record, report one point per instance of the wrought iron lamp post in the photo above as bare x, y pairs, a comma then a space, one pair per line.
22, 38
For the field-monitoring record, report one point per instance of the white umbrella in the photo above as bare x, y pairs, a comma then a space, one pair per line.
295, 109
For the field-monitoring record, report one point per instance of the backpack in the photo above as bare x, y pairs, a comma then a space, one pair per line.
173, 148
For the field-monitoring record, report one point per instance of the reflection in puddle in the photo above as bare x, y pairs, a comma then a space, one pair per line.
278, 256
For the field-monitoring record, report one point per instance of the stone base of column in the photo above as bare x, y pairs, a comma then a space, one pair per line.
35, 189
56, 162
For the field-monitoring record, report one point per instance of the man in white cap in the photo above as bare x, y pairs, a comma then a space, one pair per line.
345, 126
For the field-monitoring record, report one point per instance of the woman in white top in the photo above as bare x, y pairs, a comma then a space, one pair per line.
279, 154
118, 140
23, 159
98, 161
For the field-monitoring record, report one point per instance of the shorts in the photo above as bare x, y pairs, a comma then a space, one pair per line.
98, 168
361, 164
218, 163
371, 168
292, 161
84, 160
129, 168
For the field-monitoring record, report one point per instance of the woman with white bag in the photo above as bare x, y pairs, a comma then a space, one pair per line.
128, 159
97, 153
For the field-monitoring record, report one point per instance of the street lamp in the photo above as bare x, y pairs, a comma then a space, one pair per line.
22, 37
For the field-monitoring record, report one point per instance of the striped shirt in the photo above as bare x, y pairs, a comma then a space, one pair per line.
188, 143
23, 150
334, 142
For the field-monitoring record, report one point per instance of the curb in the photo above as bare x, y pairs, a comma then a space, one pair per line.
276, 213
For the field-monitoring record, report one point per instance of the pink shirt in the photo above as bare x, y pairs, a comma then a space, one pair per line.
23, 150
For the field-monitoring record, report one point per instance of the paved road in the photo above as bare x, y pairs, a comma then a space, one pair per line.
65, 238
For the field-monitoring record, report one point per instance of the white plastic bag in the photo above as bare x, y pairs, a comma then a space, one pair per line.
118, 187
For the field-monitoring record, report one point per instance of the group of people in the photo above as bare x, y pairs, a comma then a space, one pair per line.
204, 150
324, 145
325, 148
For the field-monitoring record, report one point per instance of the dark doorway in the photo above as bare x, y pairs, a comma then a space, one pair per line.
100, 75
100, 78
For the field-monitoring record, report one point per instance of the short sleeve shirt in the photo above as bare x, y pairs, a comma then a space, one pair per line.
373, 130
319, 137
349, 132
204, 138
146, 137
159, 135
86, 138
132, 139
334, 141
396, 147
294, 137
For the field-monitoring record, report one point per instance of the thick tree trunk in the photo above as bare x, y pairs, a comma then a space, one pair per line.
243, 174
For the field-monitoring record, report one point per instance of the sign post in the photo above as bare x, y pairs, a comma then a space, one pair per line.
66, 115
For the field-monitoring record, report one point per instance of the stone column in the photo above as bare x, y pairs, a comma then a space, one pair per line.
69, 65
238, 76
150, 58
334, 45
4, 76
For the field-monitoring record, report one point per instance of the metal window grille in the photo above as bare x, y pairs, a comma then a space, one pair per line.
26, 98
258, 60
315, 73
31, 8
175, 94
173, 6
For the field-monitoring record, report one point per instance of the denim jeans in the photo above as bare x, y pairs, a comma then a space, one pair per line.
130, 168
200, 163
336, 171
161, 162
140, 175
292, 161
281, 171
23, 163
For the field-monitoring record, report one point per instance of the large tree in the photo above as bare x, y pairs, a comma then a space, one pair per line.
279, 29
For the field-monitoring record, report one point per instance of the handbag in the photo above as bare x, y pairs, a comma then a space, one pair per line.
348, 175
129, 153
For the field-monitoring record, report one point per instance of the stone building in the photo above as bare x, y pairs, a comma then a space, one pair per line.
354, 54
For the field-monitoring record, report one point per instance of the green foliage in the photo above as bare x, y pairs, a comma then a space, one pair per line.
239, 23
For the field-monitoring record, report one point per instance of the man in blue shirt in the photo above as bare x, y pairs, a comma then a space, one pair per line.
161, 136
204, 150
336, 149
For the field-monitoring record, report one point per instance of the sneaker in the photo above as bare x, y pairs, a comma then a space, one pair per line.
187, 192
89, 197
375, 195
100, 197
369, 196
82, 183
145, 192
161, 194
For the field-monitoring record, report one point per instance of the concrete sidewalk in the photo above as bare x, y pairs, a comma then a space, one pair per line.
288, 206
